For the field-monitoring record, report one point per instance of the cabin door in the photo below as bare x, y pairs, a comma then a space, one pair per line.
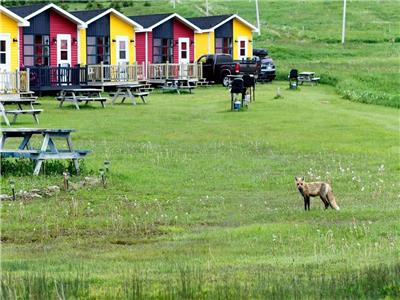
122, 57
64, 58
5, 64
5, 52
242, 49
184, 56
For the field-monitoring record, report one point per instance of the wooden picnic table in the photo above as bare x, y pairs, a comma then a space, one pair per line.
178, 85
131, 91
81, 95
47, 150
19, 110
308, 77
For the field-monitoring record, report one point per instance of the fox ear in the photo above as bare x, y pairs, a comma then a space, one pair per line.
295, 178
302, 178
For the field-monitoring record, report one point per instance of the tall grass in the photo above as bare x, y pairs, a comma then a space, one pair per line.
374, 282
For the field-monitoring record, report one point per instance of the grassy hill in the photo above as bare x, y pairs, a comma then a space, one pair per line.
307, 35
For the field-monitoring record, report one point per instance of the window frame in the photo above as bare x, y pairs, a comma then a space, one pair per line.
99, 56
229, 47
166, 50
35, 46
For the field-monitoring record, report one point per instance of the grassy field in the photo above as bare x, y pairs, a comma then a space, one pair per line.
201, 202
307, 35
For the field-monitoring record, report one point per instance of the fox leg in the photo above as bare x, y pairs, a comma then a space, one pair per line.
326, 202
306, 203
332, 200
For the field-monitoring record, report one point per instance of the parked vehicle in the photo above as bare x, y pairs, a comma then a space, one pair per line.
268, 69
217, 67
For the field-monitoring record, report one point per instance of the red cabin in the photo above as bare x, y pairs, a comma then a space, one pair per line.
165, 38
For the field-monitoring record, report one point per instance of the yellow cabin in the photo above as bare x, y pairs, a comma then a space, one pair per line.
229, 34
9, 39
109, 37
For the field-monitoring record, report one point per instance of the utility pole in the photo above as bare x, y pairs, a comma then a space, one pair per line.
344, 22
173, 2
258, 18
206, 7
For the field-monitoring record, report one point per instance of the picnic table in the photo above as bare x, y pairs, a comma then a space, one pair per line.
81, 95
178, 85
47, 150
28, 95
308, 77
131, 91
19, 109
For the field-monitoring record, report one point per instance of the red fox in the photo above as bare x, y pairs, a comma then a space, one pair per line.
313, 189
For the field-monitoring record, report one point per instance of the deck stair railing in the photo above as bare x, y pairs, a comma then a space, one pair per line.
177, 71
14, 82
115, 73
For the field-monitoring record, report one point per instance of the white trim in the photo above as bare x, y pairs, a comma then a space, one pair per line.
180, 41
185, 21
121, 16
21, 21
64, 37
146, 55
78, 38
7, 38
235, 16
125, 39
60, 10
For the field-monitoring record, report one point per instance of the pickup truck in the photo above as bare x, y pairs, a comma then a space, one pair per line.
216, 67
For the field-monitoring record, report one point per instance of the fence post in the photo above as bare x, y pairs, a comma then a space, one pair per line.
167, 70
101, 72
17, 81
28, 80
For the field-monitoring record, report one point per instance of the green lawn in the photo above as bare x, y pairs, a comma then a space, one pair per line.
201, 202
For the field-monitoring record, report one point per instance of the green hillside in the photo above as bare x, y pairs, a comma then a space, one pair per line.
307, 34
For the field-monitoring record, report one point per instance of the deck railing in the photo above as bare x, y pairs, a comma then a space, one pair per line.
181, 71
115, 73
44, 78
14, 82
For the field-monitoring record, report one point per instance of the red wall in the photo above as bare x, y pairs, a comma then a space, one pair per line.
182, 31
140, 41
61, 25
21, 47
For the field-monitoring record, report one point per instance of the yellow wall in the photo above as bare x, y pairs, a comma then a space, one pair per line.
82, 46
120, 27
8, 25
239, 29
204, 44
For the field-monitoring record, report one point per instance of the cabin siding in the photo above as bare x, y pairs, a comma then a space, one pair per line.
61, 25
39, 24
164, 30
241, 30
180, 30
204, 44
140, 41
225, 30
100, 27
118, 27
10, 26
82, 46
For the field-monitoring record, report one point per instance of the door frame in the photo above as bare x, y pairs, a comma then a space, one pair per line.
7, 38
124, 38
59, 38
246, 40
180, 41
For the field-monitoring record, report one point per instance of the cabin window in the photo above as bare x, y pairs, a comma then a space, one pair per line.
98, 50
223, 45
36, 50
242, 48
163, 50
3, 52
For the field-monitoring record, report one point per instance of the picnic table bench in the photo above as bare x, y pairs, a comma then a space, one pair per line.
308, 77
77, 96
47, 150
178, 85
131, 91
28, 95
19, 110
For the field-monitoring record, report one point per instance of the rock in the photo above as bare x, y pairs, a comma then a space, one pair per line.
53, 189
34, 195
5, 197
91, 181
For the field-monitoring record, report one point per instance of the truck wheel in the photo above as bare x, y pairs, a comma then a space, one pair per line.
225, 80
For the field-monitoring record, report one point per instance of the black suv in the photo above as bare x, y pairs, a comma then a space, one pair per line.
268, 70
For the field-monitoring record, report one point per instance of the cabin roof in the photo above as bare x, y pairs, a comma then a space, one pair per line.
209, 21
149, 20
86, 15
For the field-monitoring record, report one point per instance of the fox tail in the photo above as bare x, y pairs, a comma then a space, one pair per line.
332, 200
